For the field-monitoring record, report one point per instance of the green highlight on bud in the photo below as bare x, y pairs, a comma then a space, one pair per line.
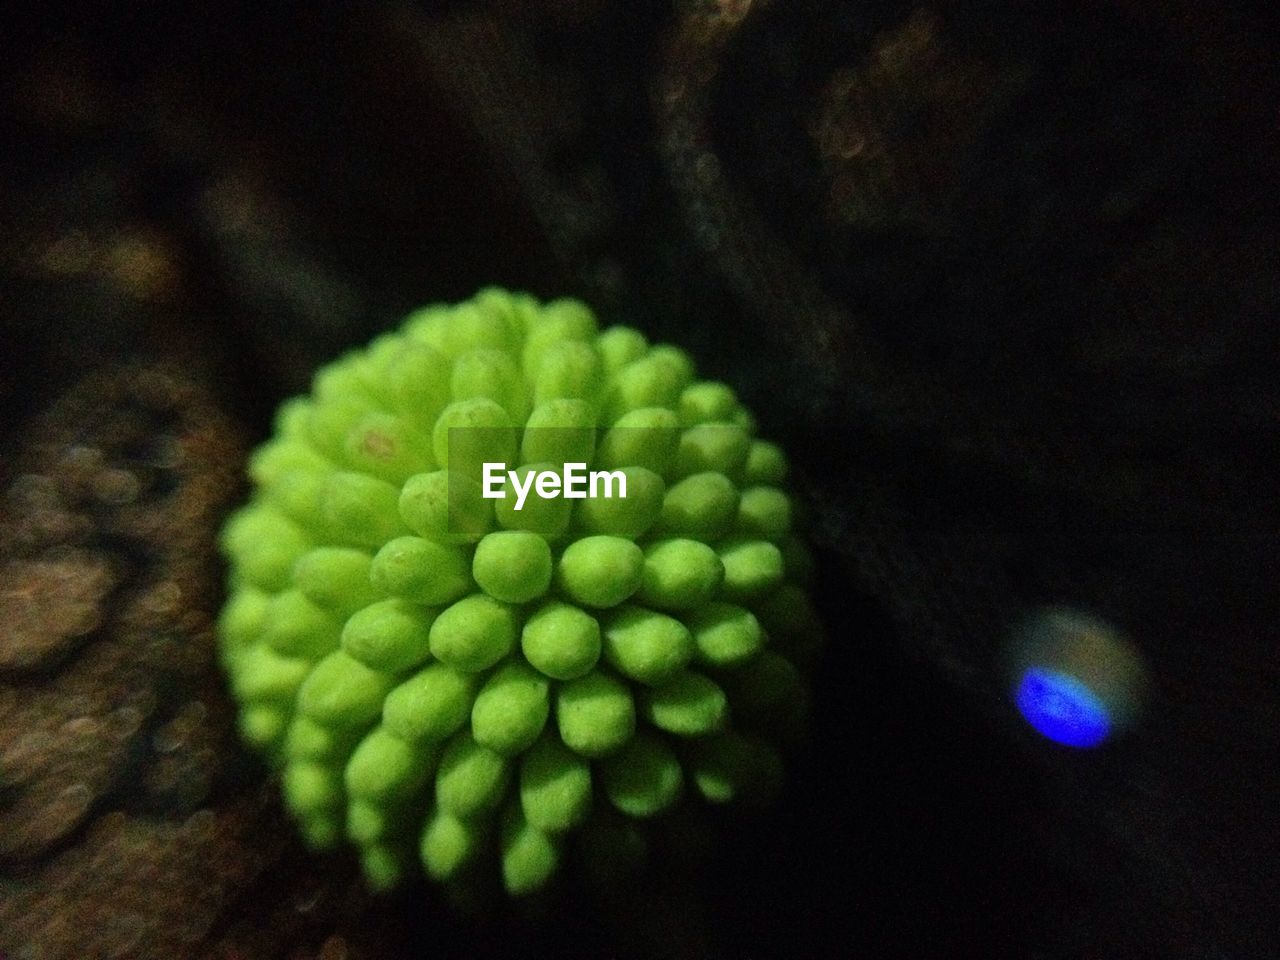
449, 843
628, 516
595, 714
680, 574
343, 692
513, 566
702, 507
336, 578
511, 709
712, 448
446, 507
601, 571
560, 431
470, 682
688, 704
431, 705
390, 635
472, 778
529, 856
561, 640
645, 645
644, 778
474, 633
421, 571
555, 787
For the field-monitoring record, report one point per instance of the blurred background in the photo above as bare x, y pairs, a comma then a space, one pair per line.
1002, 277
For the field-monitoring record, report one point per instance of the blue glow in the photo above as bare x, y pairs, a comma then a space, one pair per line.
1062, 708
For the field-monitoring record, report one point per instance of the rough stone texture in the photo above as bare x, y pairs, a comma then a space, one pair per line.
130, 824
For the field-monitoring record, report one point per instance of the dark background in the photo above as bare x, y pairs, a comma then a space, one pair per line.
1001, 277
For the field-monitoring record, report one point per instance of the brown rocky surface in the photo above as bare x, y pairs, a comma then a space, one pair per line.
131, 824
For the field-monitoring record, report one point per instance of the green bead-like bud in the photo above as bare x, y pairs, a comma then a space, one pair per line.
702, 507
561, 320
561, 640
264, 545
718, 766
645, 438
310, 787
570, 369
340, 382
385, 446
382, 865
680, 363
472, 432
415, 384
766, 464
321, 830
343, 692
292, 416
529, 856
560, 431
491, 375
367, 823
359, 510
262, 726
471, 779
422, 571
241, 621
308, 740
789, 617
764, 513
643, 778
297, 495
712, 448
433, 704
645, 645
655, 380
334, 418
725, 635
455, 330
707, 401
449, 843
474, 633
601, 571
511, 709
595, 714
280, 457
376, 596
296, 627
619, 346
262, 674
728, 766
679, 574
513, 566
555, 787
548, 517
752, 568
444, 506
384, 767
687, 705
629, 516
335, 578
390, 635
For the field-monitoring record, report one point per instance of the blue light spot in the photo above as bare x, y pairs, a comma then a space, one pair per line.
1062, 708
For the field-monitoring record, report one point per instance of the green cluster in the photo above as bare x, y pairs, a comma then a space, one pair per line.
450, 682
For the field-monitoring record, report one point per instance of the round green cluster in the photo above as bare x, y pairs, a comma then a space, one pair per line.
447, 680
